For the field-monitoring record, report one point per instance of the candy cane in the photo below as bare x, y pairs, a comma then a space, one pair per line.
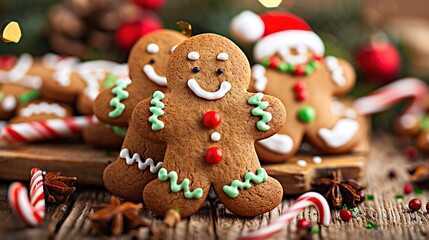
32, 211
387, 96
278, 224
48, 129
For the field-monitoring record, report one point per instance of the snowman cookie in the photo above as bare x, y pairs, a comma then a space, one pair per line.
209, 122
291, 66
139, 159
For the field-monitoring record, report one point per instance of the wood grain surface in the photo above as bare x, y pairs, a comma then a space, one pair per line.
213, 221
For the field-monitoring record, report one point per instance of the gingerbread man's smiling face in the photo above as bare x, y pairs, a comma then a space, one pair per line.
209, 69
148, 58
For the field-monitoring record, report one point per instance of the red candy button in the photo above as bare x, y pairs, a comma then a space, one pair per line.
300, 70
211, 119
214, 155
300, 90
7, 62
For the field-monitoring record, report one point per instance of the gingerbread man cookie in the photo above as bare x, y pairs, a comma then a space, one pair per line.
210, 123
291, 67
139, 159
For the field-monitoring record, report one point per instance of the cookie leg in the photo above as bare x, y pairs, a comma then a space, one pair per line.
175, 191
251, 194
280, 146
136, 166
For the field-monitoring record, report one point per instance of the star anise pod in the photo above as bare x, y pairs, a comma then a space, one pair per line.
337, 191
116, 218
58, 188
420, 174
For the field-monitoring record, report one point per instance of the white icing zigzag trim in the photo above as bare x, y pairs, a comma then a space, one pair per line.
125, 154
336, 70
220, 93
43, 108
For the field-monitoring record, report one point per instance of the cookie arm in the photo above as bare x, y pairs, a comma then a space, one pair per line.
342, 74
149, 116
102, 108
269, 115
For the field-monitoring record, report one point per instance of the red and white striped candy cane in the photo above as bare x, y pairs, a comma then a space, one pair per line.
387, 96
47, 129
31, 212
278, 224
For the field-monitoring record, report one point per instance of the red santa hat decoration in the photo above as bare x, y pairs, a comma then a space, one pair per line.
273, 31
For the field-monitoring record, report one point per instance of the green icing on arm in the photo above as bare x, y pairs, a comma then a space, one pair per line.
120, 131
260, 177
115, 102
28, 96
110, 81
258, 111
156, 110
183, 186
1, 97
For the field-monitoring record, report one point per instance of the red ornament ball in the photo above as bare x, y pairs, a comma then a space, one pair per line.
149, 4
415, 204
211, 119
346, 215
427, 206
408, 188
379, 61
303, 223
130, 32
214, 155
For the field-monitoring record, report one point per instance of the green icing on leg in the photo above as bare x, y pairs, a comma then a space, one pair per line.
258, 111
183, 186
260, 177
28, 96
120, 131
115, 102
157, 111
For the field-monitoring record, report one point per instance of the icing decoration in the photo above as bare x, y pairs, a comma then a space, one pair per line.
336, 70
258, 111
282, 66
343, 131
18, 75
153, 76
156, 110
317, 159
408, 121
193, 56
120, 94
301, 163
173, 48
278, 143
110, 80
299, 58
220, 93
9, 103
258, 74
43, 108
63, 67
28, 96
232, 190
214, 155
307, 114
339, 110
223, 56
300, 89
215, 137
142, 165
120, 131
424, 123
211, 119
183, 186
152, 48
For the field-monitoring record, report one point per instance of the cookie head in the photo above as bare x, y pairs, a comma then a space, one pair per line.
149, 56
209, 66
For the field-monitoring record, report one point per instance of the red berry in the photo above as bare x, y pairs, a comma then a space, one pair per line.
300, 70
408, 189
361, 197
411, 153
415, 204
275, 62
211, 119
427, 207
303, 223
214, 155
346, 215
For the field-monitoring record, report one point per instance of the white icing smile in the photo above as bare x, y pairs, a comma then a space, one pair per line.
153, 76
220, 93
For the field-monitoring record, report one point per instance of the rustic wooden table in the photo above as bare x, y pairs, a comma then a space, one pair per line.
394, 220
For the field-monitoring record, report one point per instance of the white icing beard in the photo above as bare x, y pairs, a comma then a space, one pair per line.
43, 108
153, 76
299, 58
220, 93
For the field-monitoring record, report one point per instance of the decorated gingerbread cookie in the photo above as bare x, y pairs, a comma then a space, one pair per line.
139, 159
38, 110
291, 66
209, 123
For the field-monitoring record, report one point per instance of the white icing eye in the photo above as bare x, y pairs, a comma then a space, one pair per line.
223, 56
152, 48
193, 56
172, 48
